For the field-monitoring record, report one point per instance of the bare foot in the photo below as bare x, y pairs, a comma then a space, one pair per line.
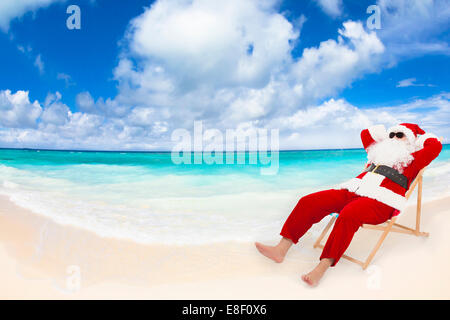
272, 252
312, 278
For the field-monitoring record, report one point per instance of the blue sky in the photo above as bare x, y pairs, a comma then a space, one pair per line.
138, 70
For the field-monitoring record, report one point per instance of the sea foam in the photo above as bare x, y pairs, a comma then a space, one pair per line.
147, 199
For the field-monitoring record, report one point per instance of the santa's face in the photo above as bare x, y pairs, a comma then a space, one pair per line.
397, 135
395, 152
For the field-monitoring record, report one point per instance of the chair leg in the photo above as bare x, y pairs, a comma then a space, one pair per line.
419, 204
324, 232
380, 241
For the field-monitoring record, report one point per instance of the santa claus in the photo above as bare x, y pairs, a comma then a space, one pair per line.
394, 158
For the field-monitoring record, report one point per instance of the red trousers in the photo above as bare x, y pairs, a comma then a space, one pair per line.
353, 211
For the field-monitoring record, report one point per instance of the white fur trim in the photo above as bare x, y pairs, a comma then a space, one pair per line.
369, 186
378, 132
421, 140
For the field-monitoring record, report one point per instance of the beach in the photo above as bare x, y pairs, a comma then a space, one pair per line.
125, 225
148, 148
42, 259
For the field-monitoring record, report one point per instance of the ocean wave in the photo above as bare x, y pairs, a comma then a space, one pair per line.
167, 220
147, 206
439, 169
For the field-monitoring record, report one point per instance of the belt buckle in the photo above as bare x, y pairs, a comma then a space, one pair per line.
374, 169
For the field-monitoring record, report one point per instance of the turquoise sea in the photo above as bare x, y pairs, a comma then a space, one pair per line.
146, 197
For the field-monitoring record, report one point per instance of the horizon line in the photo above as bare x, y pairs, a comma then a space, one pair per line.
167, 151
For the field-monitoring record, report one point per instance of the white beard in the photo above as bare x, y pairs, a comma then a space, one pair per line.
392, 153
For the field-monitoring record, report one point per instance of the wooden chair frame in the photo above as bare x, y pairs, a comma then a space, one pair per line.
388, 226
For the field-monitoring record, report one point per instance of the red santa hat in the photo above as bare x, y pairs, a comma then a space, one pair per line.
411, 130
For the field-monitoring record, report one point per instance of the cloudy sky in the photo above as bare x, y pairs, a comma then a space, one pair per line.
138, 70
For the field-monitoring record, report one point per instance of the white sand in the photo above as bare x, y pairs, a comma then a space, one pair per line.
43, 260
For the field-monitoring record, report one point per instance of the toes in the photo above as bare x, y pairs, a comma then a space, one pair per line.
305, 279
262, 249
259, 246
308, 280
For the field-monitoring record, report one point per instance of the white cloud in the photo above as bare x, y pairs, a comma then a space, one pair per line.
229, 64
55, 112
141, 117
11, 9
337, 124
23, 49
66, 78
411, 82
17, 111
191, 60
39, 64
406, 83
110, 107
85, 102
411, 27
190, 73
333, 65
221, 43
333, 8
332, 124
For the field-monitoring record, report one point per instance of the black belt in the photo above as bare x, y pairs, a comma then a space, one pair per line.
390, 173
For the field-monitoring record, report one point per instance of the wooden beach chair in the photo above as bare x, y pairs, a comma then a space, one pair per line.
388, 226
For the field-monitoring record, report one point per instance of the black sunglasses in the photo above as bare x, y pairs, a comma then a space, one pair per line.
396, 134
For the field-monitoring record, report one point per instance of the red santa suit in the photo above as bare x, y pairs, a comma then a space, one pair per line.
369, 198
